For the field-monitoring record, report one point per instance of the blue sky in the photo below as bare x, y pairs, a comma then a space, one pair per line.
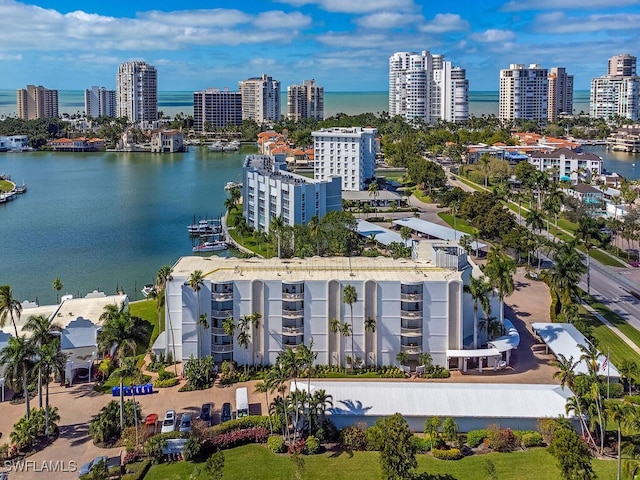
343, 44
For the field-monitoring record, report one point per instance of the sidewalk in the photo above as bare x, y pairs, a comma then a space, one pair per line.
613, 328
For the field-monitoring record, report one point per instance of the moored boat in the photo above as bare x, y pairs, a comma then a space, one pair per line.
210, 247
216, 146
205, 227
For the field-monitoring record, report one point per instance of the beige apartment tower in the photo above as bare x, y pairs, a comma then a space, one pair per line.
34, 102
260, 99
523, 93
305, 101
137, 92
560, 93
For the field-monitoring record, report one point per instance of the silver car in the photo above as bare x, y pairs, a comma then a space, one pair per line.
169, 422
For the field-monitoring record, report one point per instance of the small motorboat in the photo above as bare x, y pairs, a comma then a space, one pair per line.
210, 247
148, 289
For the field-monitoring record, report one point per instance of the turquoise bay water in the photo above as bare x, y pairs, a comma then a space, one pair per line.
102, 220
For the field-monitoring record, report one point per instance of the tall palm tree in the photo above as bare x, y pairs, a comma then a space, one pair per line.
618, 412
43, 332
567, 269
629, 370
160, 293
10, 307
479, 289
315, 232
350, 296
589, 234
196, 281
306, 357
345, 331
57, 286
500, 269
334, 327
127, 370
51, 361
17, 358
369, 327
405, 234
121, 329
277, 225
263, 387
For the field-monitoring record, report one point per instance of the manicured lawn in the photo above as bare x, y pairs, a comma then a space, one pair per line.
5, 186
602, 257
257, 463
618, 321
422, 196
461, 224
265, 249
390, 174
567, 225
147, 310
609, 341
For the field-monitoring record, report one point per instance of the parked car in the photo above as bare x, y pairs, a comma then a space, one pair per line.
226, 412
88, 467
634, 264
205, 413
185, 422
169, 422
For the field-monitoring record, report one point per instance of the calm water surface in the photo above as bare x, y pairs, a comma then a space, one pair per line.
102, 220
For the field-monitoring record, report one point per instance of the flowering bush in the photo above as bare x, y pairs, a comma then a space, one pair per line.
237, 438
299, 446
131, 457
450, 454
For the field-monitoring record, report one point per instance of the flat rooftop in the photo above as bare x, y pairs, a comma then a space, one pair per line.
221, 269
434, 230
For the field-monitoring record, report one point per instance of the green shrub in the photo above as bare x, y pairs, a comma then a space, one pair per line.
240, 424
165, 375
353, 438
137, 471
327, 431
374, 438
313, 445
191, 448
275, 443
476, 437
532, 439
502, 440
169, 382
450, 454
616, 390
420, 444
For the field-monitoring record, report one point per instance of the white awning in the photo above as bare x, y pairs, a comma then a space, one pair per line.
509, 341
480, 352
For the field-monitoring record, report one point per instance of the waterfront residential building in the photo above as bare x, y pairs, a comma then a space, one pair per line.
418, 306
618, 92
260, 99
523, 93
33, 103
344, 152
305, 101
137, 92
215, 108
625, 139
167, 141
566, 164
99, 102
269, 191
560, 93
425, 87
80, 144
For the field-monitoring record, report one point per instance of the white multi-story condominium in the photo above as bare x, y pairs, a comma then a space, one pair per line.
216, 108
347, 152
618, 92
566, 164
137, 92
417, 306
269, 191
34, 102
305, 101
260, 99
99, 102
425, 87
523, 93
560, 93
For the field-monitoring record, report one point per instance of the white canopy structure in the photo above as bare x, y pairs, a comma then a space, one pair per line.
80, 341
382, 235
433, 230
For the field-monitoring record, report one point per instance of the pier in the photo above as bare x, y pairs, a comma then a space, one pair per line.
13, 192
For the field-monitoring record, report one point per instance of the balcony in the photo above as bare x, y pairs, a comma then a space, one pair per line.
222, 313
411, 331
218, 331
292, 313
411, 313
292, 331
226, 348
411, 297
411, 349
292, 296
222, 295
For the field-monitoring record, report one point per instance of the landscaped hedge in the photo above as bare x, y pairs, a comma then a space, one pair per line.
450, 454
353, 438
476, 437
275, 443
239, 424
313, 445
532, 439
137, 471
420, 444
235, 439
169, 382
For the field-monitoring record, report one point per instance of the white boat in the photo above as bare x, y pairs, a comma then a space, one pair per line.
233, 146
216, 146
148, 290
232, 185
210, 247
205, 227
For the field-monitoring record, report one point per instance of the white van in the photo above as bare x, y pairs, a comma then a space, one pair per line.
242, 402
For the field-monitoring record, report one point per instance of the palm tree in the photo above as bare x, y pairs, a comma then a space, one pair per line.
315, 231
162, 277
127, 369
277, 225
479, 289
500, 269
565, 274
350, 296
589, 234
618, 412
345, 331
629, 369
374, 190
43, 332
405, 234
306, 357
263, 387
51, 361
334, 327
323, 401
534, 219
196, 281
402, 358
17, 358
57, 286
369, 327
9, 307
492, 326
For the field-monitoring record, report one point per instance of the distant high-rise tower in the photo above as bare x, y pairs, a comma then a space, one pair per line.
425, 87
260, 99
305, 101
523, 93
99, 102
216, 108
36, 102
560, 93
618, 92
137, 92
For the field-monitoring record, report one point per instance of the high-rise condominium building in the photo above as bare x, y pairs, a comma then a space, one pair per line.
260, 99
137, 92
215, 108
100, 102
305, 101
560, 93
349, 153
425, 87
523, 93
618, 92
36, 102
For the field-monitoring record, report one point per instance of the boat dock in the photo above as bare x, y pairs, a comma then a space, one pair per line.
14, 192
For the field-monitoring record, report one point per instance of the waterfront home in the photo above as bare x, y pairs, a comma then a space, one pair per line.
80, 144
167, 141
591, 197
567, 164
625, 139
15, 143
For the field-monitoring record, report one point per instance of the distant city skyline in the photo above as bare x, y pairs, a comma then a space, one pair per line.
343, 45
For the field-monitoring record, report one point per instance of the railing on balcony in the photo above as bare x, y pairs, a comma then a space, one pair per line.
411, 331
222, 295
411, 296
292, 313
291, 345
411, 349
292, 296
217, 331
292, 331
222, 313
226, 348
411, 313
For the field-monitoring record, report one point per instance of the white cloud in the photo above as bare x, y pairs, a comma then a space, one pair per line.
445, 22
354, 6
519, 5
388, 20
13, 58
389, 42
493, 36
280, 20
558, 22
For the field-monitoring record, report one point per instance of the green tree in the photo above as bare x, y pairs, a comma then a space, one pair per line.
572, 454
397, 455
370, 328
479, 289
10, 307
17, 358
57, 286
121, 329
405, 234
432, 426
334, 327
215, 465
589, 235
350, 296
450, 429
277, 226
500, 269
127, 370
196, 281
43, 332
159, 292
